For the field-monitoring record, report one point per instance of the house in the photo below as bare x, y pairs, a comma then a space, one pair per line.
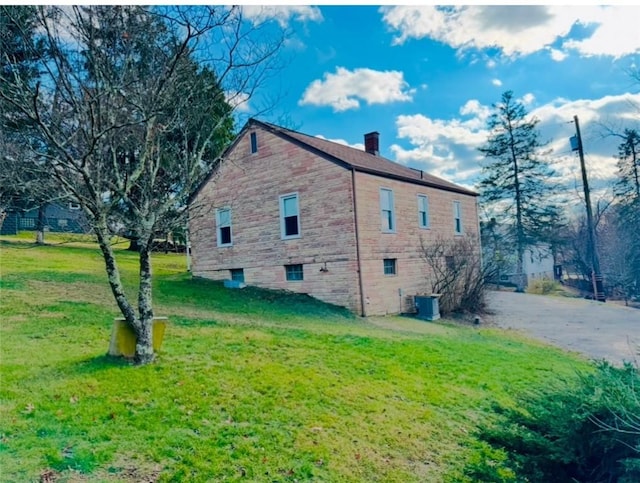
285, 210
58, 217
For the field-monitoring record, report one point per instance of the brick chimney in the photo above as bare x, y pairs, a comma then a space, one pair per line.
371, 145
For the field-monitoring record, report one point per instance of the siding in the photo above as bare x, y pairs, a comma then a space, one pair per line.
385, 294
251, 185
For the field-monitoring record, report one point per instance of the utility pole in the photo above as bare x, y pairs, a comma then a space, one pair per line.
596, 275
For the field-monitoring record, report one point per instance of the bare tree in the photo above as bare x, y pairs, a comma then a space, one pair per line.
134, 105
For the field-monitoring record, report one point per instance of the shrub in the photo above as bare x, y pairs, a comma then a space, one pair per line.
585, 431
456, 272
543, 286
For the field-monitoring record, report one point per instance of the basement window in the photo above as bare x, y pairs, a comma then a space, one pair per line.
237, 274
294, 273
390, 266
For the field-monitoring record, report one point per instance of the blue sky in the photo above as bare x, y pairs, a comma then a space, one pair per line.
426, 77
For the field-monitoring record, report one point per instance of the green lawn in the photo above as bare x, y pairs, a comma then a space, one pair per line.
250, 385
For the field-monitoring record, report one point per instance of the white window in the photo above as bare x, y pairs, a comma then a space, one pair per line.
223, 223
423, 211
386, 211
457, 218
289, 216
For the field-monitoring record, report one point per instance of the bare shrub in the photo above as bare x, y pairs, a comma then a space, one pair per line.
457, 273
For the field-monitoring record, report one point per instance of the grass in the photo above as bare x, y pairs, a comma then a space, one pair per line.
250, 385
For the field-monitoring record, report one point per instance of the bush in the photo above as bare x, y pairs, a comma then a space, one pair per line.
585, 431
456, 273
543, 286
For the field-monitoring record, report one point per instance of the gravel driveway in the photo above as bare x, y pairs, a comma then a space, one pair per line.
598, 330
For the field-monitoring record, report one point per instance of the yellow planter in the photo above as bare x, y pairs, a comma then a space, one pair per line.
123, 338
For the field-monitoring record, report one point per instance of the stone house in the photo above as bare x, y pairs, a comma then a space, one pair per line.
285, 210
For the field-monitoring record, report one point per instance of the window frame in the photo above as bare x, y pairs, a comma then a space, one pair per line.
457, 218
393, 266
219, 227
291, 269
389, 219
427, 218
283, 223
253, 142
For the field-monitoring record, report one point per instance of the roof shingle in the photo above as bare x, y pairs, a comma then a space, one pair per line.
365, 162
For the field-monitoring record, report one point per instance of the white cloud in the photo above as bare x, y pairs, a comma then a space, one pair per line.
519, 29
496, 82
343, 89
359, 146
283, 14
527, 99
449, 147
558, 55
239, 101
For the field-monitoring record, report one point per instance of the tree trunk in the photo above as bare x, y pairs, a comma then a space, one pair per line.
40, 224
521, 282
144, 346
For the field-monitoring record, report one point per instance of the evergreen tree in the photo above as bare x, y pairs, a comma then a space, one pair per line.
627, 213
628, 187
23, 186
516, 181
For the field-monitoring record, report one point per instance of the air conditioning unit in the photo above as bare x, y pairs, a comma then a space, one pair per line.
427, 306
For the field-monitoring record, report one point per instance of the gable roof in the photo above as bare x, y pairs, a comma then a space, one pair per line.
346, 156
362, 161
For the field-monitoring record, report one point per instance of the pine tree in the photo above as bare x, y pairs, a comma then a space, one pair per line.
22, 185
628, 187
516, 181
627, 215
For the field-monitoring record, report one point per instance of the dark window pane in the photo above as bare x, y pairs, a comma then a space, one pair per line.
291, 225
254, 143
450, 261
237, 274
225, 235
389, 266
294, 272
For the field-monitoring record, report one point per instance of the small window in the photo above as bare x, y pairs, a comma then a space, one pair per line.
450, 262
389, 265
386, 211
223, 222
237, 274
294, 272
254, 142
74, 206
27, 223
289, 216
63, 222
457, 218
423, 211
